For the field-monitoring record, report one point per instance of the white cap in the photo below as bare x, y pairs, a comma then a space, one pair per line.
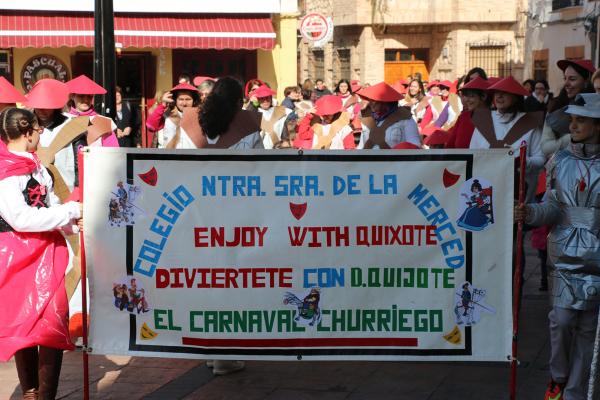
586, 105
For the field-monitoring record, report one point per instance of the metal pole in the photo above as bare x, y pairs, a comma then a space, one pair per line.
594, 367
108, 58
517, 278
84, 315
98, 74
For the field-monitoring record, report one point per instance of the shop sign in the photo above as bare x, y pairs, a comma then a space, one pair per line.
43, 66
317, 29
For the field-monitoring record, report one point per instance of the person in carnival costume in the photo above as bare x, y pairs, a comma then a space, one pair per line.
273, 117
328, 128
384, 124
509, 126
83, 90
474, 96
571, 207
33, 259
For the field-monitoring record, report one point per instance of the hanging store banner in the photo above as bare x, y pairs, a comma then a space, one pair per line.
374, 255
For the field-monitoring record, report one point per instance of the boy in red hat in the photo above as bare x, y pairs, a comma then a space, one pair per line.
384, 123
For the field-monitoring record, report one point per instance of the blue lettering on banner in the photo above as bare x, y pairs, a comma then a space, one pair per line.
450, 242
162, 225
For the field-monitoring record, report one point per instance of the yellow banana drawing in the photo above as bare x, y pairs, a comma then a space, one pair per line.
453, 336
146, 333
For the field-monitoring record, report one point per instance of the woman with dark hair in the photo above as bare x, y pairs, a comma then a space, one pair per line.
415, 99
540, 97
577, 75
474, 73
350, 100
224, 124
125, 118
509, 126
474, 96
529, 85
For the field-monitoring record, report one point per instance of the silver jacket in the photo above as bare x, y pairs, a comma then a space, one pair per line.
574, 242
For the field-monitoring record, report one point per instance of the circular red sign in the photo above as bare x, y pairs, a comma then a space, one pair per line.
314, 27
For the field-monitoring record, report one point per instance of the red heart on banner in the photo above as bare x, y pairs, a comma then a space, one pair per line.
449, 178
150, 177
298, 210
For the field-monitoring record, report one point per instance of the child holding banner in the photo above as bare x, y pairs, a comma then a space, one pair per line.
572, 200
33, 259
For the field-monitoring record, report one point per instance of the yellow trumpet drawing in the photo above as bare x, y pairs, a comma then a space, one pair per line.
146, 333
453, 336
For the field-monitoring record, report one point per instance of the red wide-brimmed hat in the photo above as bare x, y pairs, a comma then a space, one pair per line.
186, 86
439, 136
328, 105
9, 94
84, 85
492, 80
399, 87
446, 83
509, 85
588, 65
477, 84
199, 80
263, 91
433, 84
381, 92
48, 94
355, 85
406, 146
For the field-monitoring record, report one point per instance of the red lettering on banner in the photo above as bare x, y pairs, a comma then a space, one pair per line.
223, 278
240, 236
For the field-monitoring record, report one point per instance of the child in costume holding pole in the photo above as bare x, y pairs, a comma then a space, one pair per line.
572, 206
33, 259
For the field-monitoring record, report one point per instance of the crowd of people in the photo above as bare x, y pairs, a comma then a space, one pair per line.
476, 111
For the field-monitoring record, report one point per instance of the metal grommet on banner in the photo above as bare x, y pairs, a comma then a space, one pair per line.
511, 359
299, 357
300, 152
86, 349
511, 152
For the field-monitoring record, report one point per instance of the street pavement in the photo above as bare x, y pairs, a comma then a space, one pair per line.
116, 377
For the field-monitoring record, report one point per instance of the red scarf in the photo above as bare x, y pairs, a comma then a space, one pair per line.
14, 165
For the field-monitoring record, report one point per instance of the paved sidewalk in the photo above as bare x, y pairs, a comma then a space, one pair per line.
152, 378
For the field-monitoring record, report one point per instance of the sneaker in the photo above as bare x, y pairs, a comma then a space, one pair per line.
554, 391
210, 363
225, 367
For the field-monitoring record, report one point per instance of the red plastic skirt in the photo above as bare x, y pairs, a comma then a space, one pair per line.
34, 308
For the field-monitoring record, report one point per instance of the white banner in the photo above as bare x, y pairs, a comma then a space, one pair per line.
374, 255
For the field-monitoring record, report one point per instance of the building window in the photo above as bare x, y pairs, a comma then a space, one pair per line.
494, 58
392, 55
406, 64
5, 69
342, 65
558, 4
574, 52
540, 64
318, 64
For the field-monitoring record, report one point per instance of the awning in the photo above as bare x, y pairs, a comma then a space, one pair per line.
185, 31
